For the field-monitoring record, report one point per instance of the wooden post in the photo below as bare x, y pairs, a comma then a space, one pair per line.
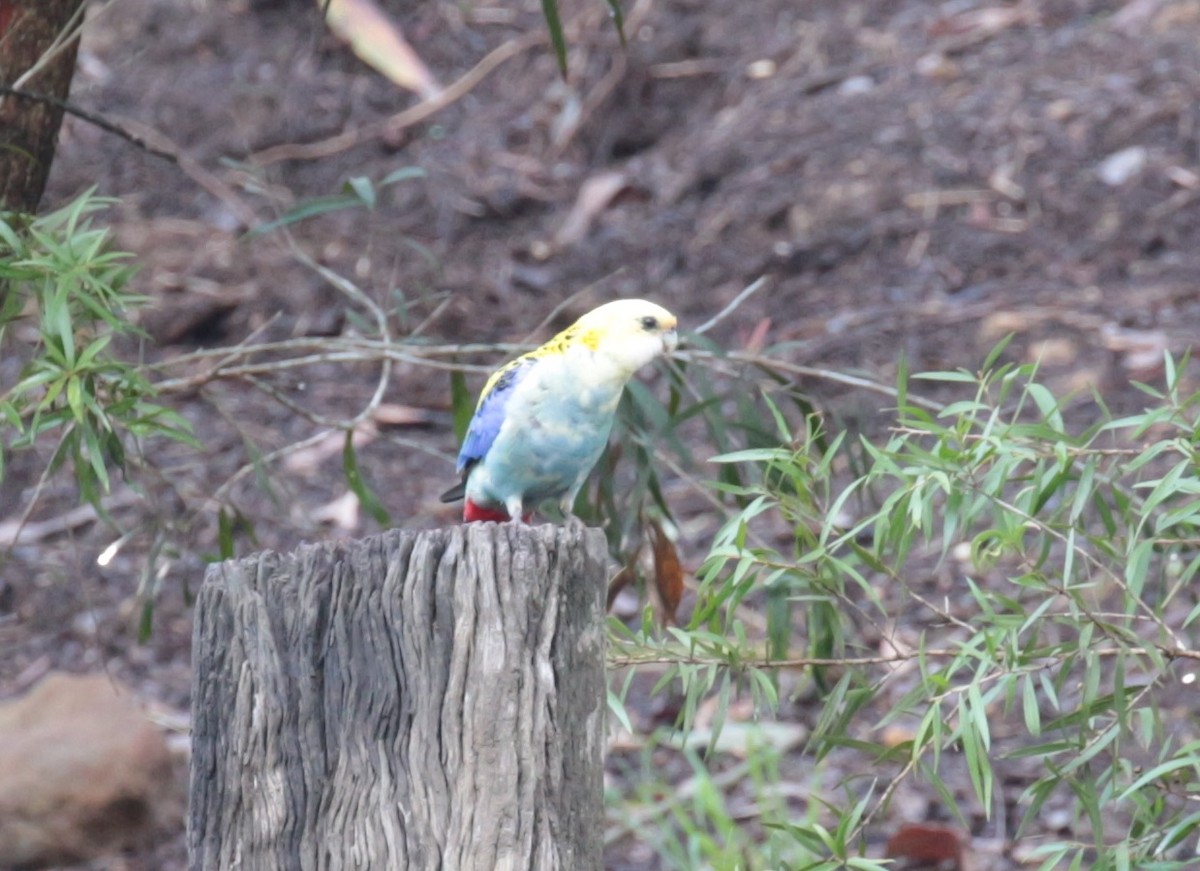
410, 701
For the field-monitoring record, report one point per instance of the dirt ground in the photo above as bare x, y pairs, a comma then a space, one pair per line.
913, 177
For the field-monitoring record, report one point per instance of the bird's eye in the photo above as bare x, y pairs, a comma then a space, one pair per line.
650, 322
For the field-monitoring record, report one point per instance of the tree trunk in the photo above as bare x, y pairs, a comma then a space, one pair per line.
28, 128
429, 700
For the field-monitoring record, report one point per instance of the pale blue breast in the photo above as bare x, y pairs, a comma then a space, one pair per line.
554, 432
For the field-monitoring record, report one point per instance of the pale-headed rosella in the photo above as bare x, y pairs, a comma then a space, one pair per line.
543, 419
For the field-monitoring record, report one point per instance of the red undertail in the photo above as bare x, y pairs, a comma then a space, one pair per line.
476, 513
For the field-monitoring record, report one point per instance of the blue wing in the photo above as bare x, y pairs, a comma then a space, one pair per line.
489, 414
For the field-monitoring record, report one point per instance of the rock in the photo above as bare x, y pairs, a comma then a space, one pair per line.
1120, 166
83, 773
856, 85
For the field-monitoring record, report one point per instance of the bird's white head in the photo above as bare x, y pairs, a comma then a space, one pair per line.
630, 332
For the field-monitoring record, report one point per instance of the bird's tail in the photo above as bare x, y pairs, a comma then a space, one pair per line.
455, 493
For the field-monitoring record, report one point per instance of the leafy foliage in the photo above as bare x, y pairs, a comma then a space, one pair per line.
65, 301
1067, 619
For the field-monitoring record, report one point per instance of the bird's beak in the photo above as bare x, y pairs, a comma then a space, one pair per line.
670, 340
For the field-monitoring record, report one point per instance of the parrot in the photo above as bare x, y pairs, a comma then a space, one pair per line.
543, 419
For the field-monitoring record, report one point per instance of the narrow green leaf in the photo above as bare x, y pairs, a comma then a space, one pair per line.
952, 377
721, 709
996, 351
225, 533
617, 708
754, 455
1083, 489
1046, 404
1161, 772
146, 622
618, 19
1170, 375
404, 173
779, 620
462, 406
95, 456
1029, 706
75, 398
1138, 566
554, 25
95, 347
360, 186
304, 211
366, 496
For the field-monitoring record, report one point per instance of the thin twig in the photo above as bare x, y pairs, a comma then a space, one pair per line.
356, 295
91, 118
420, 328
218, 496
749, 291
293, 406
43, 479
1031, 444
22, 531
570, 300
213, 184
809, 371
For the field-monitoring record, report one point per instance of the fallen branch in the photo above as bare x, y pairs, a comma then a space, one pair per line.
407, 118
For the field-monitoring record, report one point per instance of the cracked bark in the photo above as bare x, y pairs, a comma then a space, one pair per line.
412, 700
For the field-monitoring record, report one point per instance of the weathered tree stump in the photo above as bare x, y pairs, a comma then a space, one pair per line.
409, 701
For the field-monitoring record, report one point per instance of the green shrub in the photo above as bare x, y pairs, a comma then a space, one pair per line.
65, 300
1064, 614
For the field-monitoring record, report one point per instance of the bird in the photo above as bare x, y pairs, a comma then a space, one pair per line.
543, 419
